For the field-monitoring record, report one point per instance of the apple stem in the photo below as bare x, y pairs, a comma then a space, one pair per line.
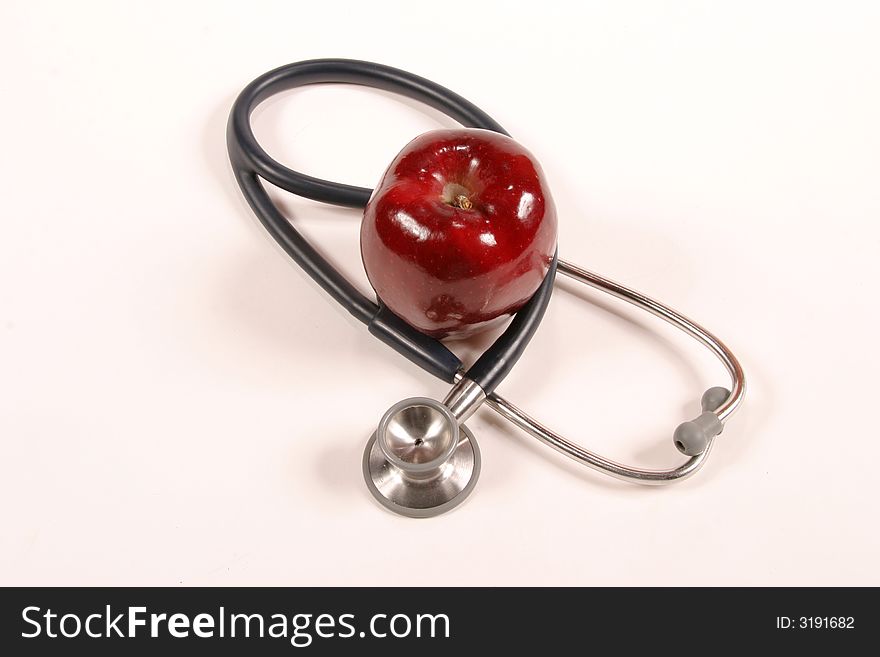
463, 202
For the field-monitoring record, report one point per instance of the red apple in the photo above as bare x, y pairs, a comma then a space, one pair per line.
459, 232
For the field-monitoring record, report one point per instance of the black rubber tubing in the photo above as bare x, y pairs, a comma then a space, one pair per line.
250, 163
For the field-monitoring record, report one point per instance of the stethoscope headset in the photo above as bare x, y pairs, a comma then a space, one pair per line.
422, 460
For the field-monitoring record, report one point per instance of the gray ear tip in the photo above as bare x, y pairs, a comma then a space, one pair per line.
714, 397
690, 438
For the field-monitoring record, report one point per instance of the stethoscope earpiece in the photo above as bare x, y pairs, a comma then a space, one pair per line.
692, 437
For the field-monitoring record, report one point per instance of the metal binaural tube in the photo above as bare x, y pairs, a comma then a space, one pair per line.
592, 460
676, 319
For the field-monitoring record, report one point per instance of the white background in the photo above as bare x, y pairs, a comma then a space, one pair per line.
179, 404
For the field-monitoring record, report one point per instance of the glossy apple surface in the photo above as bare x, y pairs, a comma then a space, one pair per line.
459, 232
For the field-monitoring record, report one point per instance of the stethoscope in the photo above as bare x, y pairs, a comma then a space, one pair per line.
422, 460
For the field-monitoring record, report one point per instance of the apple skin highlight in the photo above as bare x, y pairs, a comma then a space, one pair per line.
460, 231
